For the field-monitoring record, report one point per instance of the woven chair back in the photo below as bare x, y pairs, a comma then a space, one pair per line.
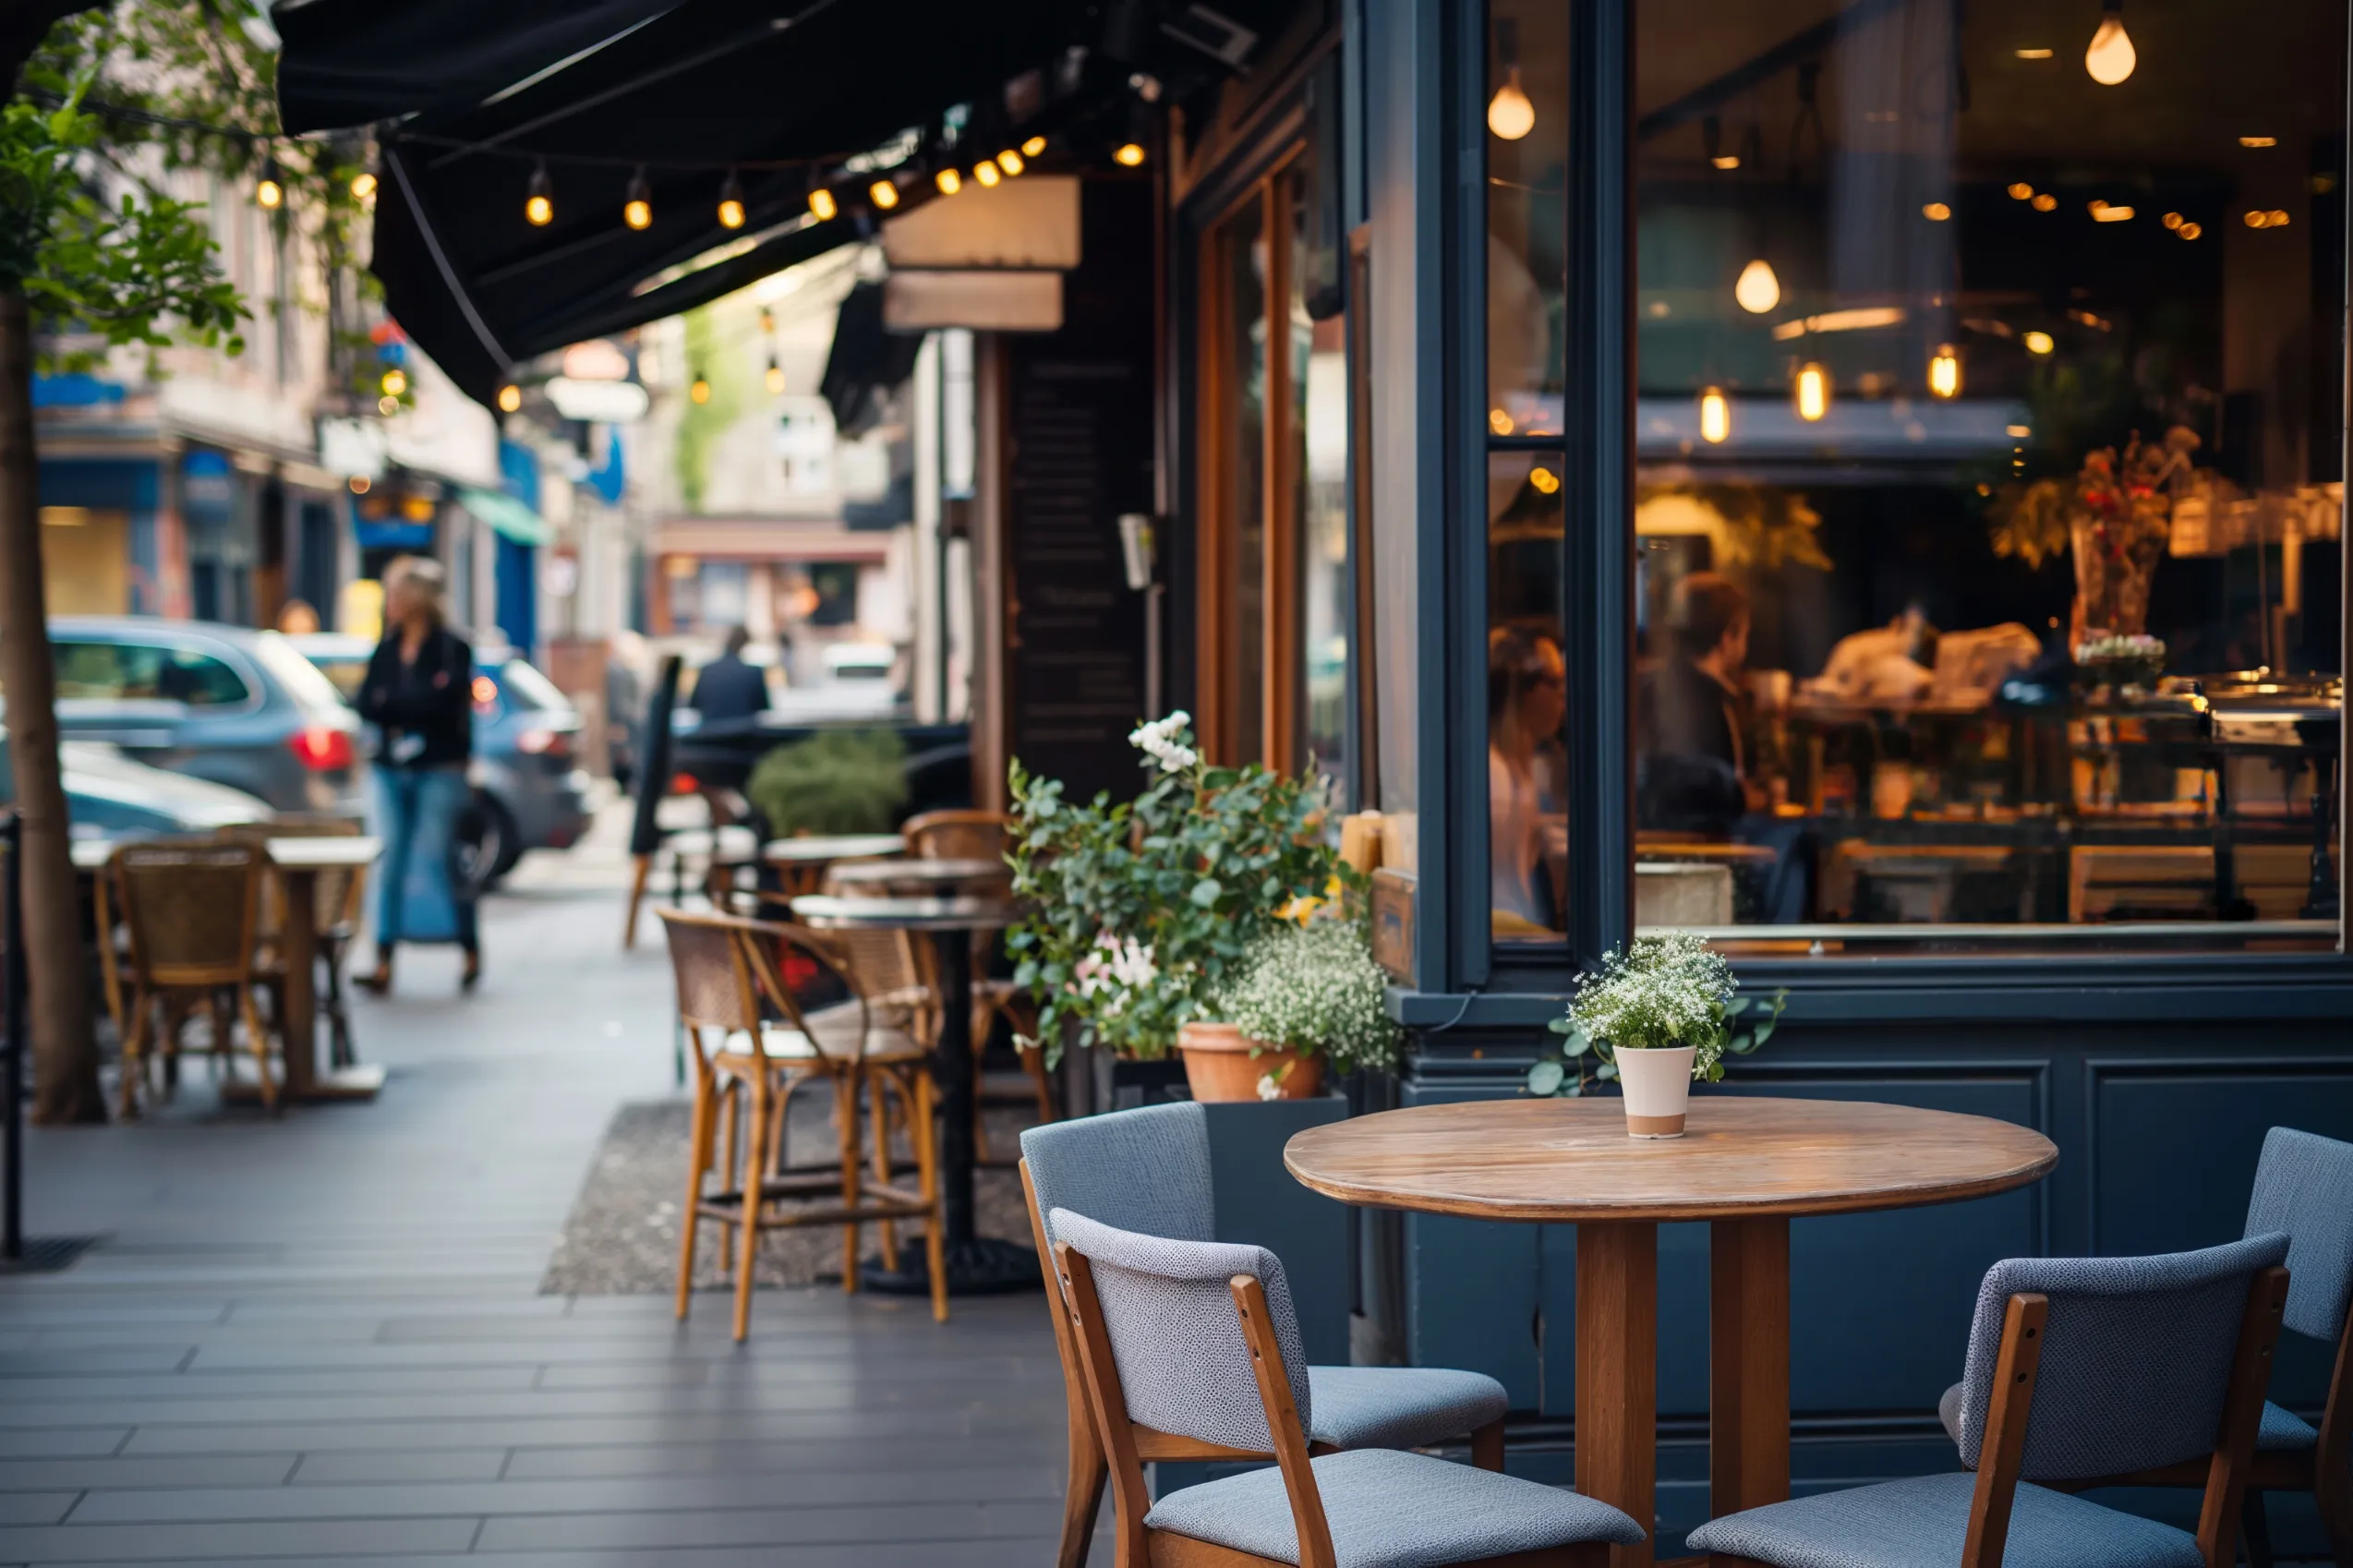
193, 907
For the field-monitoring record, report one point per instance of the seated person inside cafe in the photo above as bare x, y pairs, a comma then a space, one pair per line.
1527, 696
1693, 767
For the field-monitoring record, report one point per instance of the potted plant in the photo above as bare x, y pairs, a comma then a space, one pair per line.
1654, 1017
1308, 994
1140, 911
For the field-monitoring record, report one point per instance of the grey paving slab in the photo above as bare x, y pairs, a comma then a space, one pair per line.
1013, 1553
314, 1540
36, 1507
63, 1363
378, 1466
910, 1522
59, 1443
192, 1470
920, 1454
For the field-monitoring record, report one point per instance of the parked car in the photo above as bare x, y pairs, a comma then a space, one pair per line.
109, 796
227, 704
529, 792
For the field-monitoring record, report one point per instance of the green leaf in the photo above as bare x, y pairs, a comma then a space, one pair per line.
1544, 1079
1607, 1070
1207, 891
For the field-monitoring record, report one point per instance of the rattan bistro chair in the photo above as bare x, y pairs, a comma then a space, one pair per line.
1148, 1170
193, 912
1197, 1341
2078, 1368
2304, 1187
752, 1041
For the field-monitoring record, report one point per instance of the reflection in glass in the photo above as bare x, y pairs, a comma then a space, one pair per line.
1527, 120
1989, 502
1240, 251
1320, 461
1526, 699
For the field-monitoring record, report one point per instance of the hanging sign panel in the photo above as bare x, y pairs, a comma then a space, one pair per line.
988, 302
1026, 223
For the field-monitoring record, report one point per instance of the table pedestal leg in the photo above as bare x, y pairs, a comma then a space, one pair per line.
977, 1265
1748, 1364
299, 938
1617, 1416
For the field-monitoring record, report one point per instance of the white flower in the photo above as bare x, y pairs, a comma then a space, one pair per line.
1158, 739
1115, 964
1267, 1088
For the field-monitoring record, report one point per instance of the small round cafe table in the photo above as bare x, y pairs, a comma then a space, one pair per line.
1747, 1165
977, 1265
913, 877
801, 864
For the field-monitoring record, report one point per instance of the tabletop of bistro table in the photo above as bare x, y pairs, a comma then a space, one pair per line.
827, 913
1569, 1159
832, 846
305, 853
907, 871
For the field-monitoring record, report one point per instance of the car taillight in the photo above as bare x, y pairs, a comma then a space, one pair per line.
684, 784
544, 742
321, 748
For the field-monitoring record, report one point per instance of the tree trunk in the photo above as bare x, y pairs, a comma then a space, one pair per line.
65, 1050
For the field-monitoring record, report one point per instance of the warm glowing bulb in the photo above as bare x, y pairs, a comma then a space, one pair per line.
2172, 220
1033, 147
2044, 202
538, 212
638, 214
2256, 220
1936, 212
1010, 162
1509, 114
510, 398
363, 185
2110, 57
986, 174
2033, 53
1545, 480
884, 194
2278, 219
2106, 213
269, 193
2021, 191
2191, 230
731, 213
775, 382
1757, 289
1500, 422
821, 205
701, 391
1130, 154
2038, 343
1944, 371
1812, 392
1726, 160
2259, 142
394, 382
948, 181
1715, 416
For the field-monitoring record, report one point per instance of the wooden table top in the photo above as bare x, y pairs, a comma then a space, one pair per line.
1571, 1160
818, 848
828, 913
904, 872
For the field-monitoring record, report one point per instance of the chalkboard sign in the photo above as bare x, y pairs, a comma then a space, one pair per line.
1078, 408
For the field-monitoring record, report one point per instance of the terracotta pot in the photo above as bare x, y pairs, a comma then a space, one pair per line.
1218, 1065
1658, 1089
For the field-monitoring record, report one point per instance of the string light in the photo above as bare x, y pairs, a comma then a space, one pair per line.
2110, 57
1936, 212
821, 206
638, 210
1812, 392
1715, 416
1128, 154
700, 391
1944, 371
948, 181
1509, 114
363, 187
1010, 162
2044, 202
2259, 142
1033, 147
884, 193
1757, 288
270, 192
539, 199
2189, 230
775, 378
730, 201
1500, 422
510, 398
986, 172
1545, 480
2021, 191
2038, 344
395, 381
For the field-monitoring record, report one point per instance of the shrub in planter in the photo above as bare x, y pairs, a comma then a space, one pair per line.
1307, 994
835, 781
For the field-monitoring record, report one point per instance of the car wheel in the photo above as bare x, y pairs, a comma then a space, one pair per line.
485, 845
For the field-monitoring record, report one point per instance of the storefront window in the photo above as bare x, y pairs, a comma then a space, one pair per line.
1320, 468
1989, 502
1527, 148
1526, 699
1239, 252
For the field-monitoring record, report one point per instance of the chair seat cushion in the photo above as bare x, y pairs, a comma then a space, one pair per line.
1398, 1407
2284, 1431
1923, 1522
836, 1029
1392, 1510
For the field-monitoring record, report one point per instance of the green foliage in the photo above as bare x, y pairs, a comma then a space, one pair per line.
1664, 991
836, 782
1141, 911
701, 424
1312, 987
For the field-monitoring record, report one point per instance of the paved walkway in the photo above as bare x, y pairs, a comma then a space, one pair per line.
319, 1339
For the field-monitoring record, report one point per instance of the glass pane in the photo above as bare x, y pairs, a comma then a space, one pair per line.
1526, 698
1527, 150
1989, 508
1319, 445
1239, 249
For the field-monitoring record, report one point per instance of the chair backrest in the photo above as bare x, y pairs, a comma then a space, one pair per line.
957, 834
1168, 1310
728, 978
2136, 1357
2304, 1187
193, 909
1143, 1170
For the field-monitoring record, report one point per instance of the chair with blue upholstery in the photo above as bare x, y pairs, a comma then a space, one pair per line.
2077, 1367
2304, 1187
1148, 1170
1198, 1340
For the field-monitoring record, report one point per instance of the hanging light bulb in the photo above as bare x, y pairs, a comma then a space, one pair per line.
395, 381
1715, 416
821, 206
1509, 114
883, 194
948, 181
1033, 147
1128, 154
540, 198
986, 172
1757, 288
510, 398
1812, 392
2110, 56
638, 210
363, 187
775, 378
1010, 162
270, 192
1944, 371
700, 391
730, 201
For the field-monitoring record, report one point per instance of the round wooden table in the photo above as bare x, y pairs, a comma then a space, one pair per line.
977, 1265
802, 864
1748, 1165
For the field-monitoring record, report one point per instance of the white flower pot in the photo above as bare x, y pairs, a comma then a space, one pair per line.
1658, 1089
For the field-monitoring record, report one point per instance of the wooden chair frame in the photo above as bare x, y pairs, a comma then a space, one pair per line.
1130, 1445
1090, 1465
173, 985
333, 934
732, 1082
2003, 1455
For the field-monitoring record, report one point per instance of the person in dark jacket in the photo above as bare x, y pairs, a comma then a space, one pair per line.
419, 694
730, 688
1698, 771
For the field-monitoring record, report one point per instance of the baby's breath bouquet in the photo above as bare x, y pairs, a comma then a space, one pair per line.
1313, 988
1664, 991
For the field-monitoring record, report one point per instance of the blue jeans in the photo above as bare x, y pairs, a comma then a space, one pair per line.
417, 895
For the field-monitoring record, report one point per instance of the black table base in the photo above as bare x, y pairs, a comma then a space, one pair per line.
982, 1266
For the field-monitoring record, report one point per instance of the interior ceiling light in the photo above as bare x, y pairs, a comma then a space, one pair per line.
822, 205
1711, 138
637, 211
1757, 289
1128, 154
1936, 212
2103, 212
2038, 343
2034, 54
2189, 230
2109, 57
1500, 422
884, 194
1545, 480
730, 201
1812, 392
2259, 142
2044, 202
2171, 219
2021, 191
775, 378
2018, 432
1509, 114
1944, 371
1715, 416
